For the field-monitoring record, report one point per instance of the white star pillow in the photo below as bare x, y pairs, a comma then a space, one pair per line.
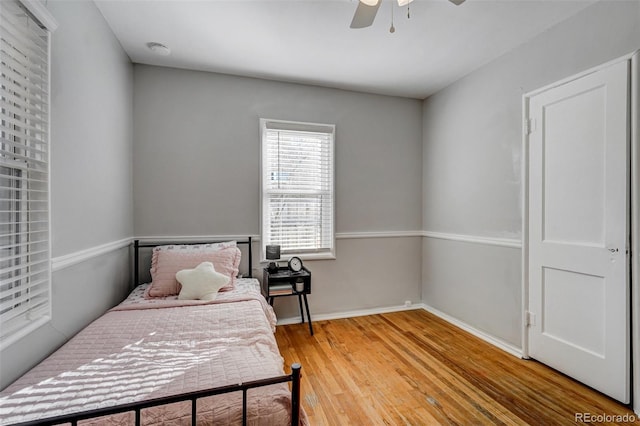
202, 282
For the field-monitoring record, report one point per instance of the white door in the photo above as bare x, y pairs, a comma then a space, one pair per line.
579, 320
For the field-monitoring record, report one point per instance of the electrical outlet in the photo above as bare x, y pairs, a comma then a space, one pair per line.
407, 303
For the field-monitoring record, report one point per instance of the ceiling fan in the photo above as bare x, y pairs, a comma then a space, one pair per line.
367, 10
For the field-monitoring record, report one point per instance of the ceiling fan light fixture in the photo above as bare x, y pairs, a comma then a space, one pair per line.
367, 10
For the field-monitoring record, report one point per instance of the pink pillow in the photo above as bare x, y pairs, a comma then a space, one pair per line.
205, 247
168, 263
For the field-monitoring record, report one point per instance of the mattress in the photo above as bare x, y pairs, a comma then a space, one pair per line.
144, 349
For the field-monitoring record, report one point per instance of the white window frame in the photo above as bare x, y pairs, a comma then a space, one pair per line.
30, 261
271, 124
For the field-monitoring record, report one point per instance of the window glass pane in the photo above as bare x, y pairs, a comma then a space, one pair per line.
24, 170
298, 187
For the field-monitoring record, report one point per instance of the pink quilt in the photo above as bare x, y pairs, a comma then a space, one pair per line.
144, 349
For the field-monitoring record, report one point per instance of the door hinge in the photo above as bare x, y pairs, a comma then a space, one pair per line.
529, 126
530, 319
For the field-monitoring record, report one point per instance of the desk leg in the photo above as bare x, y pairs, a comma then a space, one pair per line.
306, 305
300, 305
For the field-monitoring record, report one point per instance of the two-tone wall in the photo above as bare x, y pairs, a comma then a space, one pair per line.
472, 187
428, 193
197, 172
91, 190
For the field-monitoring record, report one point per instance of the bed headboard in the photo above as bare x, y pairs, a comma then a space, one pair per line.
138, 248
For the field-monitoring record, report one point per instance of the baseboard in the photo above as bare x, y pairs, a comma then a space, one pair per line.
352, 314
500, 344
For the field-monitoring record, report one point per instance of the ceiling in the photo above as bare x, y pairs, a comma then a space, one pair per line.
310, 42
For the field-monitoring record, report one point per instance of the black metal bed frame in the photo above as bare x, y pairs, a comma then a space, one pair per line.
137, 407
137, 245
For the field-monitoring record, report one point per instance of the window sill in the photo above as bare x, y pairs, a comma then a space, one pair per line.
316, 256
305, 256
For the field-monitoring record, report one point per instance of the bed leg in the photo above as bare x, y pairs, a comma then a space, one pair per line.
295, 394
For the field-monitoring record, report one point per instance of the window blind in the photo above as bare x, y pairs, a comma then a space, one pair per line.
24, 170
297, 184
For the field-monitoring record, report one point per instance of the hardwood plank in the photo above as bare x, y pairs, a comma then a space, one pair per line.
413, 368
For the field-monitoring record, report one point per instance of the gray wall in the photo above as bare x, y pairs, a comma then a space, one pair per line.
471, 164
197, 172
450, 165
91, 178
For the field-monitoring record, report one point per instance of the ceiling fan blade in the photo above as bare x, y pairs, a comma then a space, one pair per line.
364, 15
457, 2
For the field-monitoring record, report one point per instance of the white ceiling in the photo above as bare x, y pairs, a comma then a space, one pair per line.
309, 41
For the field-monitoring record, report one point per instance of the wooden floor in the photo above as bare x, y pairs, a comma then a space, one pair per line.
412, 368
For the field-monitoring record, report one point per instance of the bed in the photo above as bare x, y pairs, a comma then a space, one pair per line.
156, 359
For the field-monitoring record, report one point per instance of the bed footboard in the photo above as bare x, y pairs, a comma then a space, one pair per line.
137, 407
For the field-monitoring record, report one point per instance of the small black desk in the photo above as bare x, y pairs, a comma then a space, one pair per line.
283, 283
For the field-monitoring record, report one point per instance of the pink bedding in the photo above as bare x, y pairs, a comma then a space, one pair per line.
145, 349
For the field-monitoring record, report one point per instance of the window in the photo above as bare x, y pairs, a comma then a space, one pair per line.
297, 187
24, 172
